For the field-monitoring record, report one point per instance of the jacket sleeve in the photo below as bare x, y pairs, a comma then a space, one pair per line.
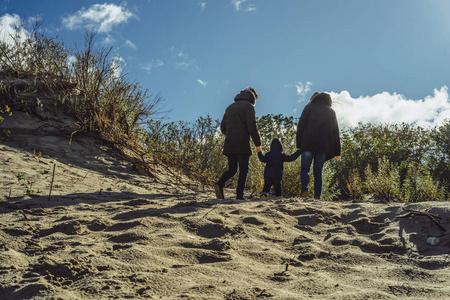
252, 127
262, 157
222, 125
302, 124
336, 137
292, 157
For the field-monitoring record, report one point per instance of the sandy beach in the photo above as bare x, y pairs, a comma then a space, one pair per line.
109, 233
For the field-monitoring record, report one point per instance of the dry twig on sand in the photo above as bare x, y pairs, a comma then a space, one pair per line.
433, 217
51, 184
209, 211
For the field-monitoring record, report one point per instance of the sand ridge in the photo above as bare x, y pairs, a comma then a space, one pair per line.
107, 232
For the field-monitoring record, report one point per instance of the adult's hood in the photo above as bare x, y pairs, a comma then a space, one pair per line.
246, 95
276, 145
323, 98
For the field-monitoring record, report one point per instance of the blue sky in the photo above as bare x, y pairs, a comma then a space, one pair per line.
383, 60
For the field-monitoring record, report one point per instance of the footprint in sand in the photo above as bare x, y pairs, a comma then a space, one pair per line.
69, 228
64, 273
130, 237
366, 225
125, 226
208, 257
98, 225
215, 244
252, 220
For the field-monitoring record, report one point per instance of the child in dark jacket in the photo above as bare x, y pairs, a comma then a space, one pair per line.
273, 172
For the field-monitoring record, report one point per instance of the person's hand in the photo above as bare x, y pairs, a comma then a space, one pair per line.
299, 149
258, 149
337, 158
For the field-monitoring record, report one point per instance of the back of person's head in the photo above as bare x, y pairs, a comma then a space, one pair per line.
323, 97
313, 96
276, 145
252, 90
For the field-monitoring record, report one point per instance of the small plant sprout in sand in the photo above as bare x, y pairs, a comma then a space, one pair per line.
28, 184
37, 154
4, 134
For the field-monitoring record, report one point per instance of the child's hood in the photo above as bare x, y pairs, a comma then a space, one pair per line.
276, 145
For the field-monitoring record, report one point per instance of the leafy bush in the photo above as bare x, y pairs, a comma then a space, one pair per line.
355, 186
107, 102
89, 83
419, 185
365, 144
29, 50
439, 161
291, 178
385, 182
363, 167
4, 134
195, 148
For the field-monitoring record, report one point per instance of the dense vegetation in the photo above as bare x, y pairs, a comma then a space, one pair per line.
401, 162
394, 162
86, 81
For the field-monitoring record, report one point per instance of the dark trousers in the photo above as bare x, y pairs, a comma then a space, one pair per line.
276, 182
235, 161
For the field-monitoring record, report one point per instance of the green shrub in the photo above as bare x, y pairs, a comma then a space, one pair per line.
365, 144
195, 148
89, 82
291, 178
355, 186
419, 186
4, 133
385, 182
439, 161
198, 147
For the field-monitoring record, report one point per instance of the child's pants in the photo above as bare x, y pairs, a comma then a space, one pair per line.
268, 182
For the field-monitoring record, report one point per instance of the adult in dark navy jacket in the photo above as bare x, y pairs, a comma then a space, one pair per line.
239, 125
273, 172
318, 138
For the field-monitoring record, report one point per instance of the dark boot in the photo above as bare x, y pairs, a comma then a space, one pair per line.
305, 193
219, 191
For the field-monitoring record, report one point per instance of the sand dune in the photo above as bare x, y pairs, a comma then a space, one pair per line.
107, 232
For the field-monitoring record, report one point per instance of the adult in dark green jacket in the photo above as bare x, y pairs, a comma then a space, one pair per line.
318, 139
239, 125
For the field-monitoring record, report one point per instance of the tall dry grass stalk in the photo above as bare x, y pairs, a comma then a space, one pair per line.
86, 82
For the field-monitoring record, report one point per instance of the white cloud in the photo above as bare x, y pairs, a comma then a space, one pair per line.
182, 55
201, 82
391, 108
183, 65
182, 60
130, 44
202, 5
156, 63
117, 65
8, 25
239, 6
71, 61
104, 17
302, 89
109, 40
